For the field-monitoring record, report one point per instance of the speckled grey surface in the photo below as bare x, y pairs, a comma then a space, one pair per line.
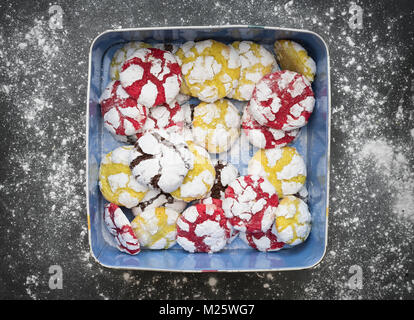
42, 186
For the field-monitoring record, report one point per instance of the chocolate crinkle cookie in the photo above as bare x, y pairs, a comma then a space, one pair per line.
161, 160
226, 173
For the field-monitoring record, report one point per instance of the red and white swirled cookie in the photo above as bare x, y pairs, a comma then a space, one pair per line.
263, 241
203, 227
169, 117
265, 137
152, 76
282, 100
123, 116
250, 203
120, 227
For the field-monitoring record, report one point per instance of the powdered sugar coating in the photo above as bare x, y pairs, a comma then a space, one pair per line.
256, 62
203, 227
283, 167
152, 76
156, 198
116, 182
188, 110
118, 225
265, 137
263, 241
161, 160
122, 54
250, 203
210, 68
282, 100
122, 115
233, 232
226, 173
216, 126
156, 228
293, 220
199, 180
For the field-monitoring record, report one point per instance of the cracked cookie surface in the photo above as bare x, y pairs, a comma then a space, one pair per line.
161, 160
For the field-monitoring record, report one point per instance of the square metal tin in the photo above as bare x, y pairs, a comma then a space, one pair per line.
313, 144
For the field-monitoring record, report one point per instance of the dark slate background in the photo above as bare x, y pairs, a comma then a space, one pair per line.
43, 80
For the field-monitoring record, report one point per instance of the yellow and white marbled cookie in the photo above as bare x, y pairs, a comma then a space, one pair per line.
256, 62
122, 54
292, 56
198, 181
116, 181
293, 220
156, 228
216, 126
283, 167
211, 69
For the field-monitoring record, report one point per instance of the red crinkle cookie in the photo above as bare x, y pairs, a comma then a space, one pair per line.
263, 241
166, 116
250, 204
265, 137
282, 100
152, 76
120, 227
123, 116
203, 227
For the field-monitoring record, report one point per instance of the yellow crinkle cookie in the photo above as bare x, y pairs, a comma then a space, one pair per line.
256, 62
216, 126
156, 228
292, 56
198, 181
121, 56
116, 181
211, 69
293, 220
283, 167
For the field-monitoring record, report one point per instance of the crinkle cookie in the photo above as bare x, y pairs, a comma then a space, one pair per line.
203, 227
122, 54
263, 241
265, 137
250, 203
256, 62
156, 198
168, 117
216, 126
283, 167
211, 69
199, 180
226, 173
161, 160
118, 225
152, 76
156, 228
292, 56
122, 115
116, 182
282, 100
293, 220
233, 232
